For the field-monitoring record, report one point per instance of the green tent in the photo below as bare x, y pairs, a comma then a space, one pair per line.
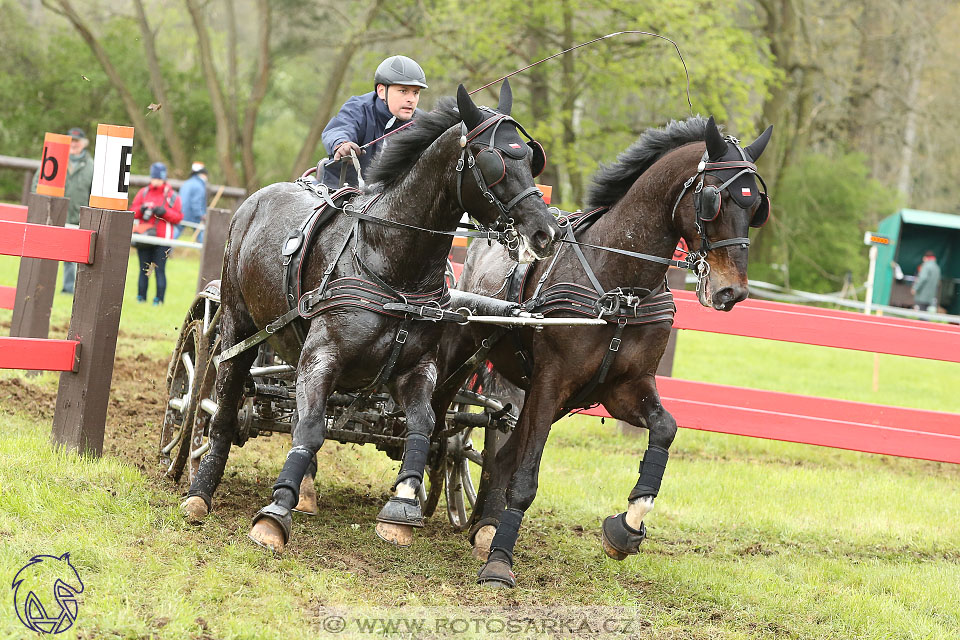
912, 233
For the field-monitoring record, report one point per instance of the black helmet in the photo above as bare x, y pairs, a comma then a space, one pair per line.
400, 70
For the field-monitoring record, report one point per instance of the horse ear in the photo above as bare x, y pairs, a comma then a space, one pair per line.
757, 146
716, 145
506, 98
469, 112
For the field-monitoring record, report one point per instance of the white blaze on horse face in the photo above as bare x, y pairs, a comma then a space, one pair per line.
638, 510
407, 489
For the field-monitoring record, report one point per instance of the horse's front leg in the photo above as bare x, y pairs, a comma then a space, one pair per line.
640, 406
522, 452
414, 389
316, 377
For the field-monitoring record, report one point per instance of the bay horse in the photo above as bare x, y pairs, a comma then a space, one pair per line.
685, 180
389, 244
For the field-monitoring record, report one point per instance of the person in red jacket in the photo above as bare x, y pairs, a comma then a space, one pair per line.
156, 212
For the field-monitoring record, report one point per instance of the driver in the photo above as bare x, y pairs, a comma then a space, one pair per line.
362, 119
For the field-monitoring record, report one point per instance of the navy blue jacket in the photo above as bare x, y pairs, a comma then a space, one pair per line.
360, 119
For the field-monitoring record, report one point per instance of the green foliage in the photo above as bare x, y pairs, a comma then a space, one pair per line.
823, 205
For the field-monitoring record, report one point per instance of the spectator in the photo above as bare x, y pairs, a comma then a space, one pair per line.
363, 119
928, 281
77, 190
193, 195
156, 211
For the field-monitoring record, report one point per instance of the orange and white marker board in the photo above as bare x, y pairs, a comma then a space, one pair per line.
111, 167
53, 164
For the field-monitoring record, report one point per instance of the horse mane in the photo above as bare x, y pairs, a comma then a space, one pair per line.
403, 150
611, 182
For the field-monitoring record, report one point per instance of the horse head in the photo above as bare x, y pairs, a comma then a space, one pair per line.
496, 177
726, 203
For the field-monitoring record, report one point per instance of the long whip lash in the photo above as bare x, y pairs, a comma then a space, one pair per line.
560, 53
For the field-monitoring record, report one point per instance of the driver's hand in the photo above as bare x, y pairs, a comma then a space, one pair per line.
345, 148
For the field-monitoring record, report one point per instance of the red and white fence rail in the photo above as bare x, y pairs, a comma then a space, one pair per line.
10, 213
101, 246
871, 428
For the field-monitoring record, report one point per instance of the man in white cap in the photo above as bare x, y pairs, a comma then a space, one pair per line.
193, 197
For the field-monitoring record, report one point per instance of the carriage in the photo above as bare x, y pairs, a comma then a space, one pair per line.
269, 407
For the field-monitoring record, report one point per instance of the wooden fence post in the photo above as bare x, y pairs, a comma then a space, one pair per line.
37, 281
214, 244
676, 280
81, 412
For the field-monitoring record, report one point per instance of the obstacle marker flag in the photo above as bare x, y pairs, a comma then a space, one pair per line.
546, 190
111, 167
53, 164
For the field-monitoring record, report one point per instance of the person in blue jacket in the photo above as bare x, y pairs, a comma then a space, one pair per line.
362, 119
193, 195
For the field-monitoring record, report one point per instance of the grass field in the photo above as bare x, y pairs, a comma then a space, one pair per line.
749, 539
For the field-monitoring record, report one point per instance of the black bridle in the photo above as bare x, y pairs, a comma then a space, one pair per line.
467, 160
707, 197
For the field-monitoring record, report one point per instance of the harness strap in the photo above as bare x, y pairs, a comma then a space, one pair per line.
490, 235
387, 370
601, 375
583, 261
260, 336
683, 264
455, 379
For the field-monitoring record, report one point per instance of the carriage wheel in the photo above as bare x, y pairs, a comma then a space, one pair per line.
450, 475
459, 489
189, 355
205, 403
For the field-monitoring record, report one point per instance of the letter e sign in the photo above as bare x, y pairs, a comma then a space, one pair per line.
111, 167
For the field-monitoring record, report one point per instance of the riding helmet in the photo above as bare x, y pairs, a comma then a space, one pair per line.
400, 70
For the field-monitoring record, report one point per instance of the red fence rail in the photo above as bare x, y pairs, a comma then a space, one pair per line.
10, 213
871, 428
102, 246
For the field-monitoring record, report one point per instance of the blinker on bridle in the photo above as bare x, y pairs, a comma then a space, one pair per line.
489, 168
707, 198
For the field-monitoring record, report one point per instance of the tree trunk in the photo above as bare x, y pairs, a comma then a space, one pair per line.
328, 100
574, 170
259, 90
134, 111
225, 128
166, 111
540, 110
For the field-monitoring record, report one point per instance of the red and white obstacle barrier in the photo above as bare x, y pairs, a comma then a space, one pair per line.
857, 426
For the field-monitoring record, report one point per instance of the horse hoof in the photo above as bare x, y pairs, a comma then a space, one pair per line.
610, 551
268, 534
194, 509
482, 541
308, 497
620, 539
497, 574
398, 534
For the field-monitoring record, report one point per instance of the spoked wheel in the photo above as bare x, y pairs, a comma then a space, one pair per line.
205, 403
458, 485
189, 355
450, 475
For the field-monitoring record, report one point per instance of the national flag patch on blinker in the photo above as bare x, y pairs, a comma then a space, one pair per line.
745, 192
514, 145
